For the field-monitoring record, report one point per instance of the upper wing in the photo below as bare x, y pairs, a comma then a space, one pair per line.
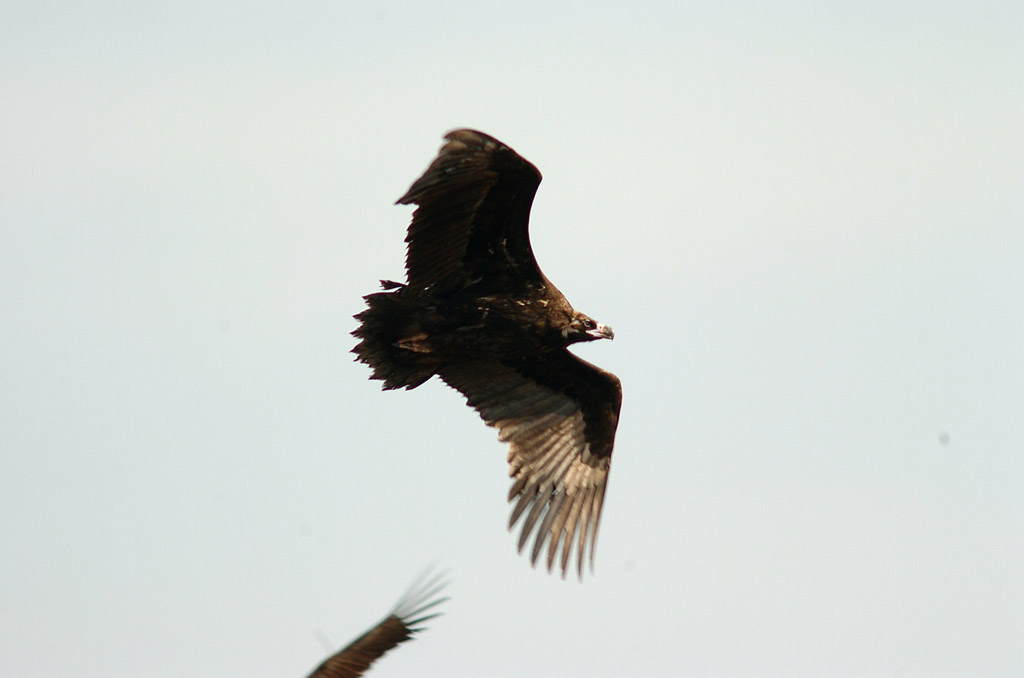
559, 414
473, 216
396, 628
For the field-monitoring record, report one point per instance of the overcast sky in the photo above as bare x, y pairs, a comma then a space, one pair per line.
805, 223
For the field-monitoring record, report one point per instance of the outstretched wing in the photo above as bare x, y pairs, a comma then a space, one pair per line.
559, 414
397, 627
473, 217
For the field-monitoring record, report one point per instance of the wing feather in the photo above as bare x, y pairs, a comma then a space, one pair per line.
472, 223
559, 414
399, 626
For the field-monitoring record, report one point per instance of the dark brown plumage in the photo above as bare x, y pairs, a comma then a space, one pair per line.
398, 627
478, 312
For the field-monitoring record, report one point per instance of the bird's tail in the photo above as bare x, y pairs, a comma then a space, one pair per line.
390, 339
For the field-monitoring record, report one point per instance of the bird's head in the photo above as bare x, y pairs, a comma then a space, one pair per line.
585, 328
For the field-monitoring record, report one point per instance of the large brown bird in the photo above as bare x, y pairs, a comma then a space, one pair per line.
399, 626
477, 311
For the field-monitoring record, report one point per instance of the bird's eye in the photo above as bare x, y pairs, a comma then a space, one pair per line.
589, 324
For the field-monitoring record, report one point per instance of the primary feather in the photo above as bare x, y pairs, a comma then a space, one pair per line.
402, 622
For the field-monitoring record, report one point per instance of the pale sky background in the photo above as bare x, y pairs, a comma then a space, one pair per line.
805, 223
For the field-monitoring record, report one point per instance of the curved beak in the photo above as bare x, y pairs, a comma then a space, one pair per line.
601, 332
